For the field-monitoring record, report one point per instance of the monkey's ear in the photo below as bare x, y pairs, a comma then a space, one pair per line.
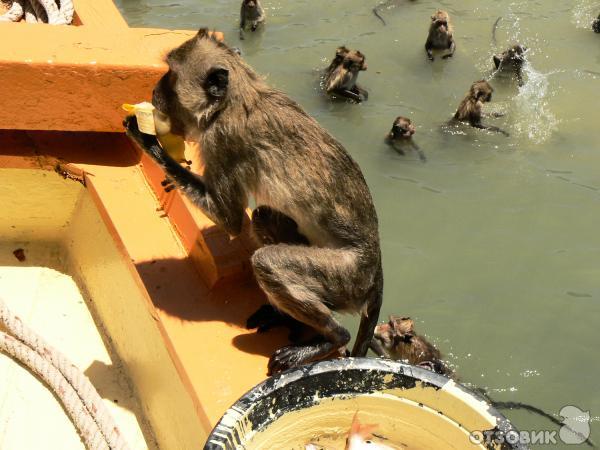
202, 33
497, 61
216, 82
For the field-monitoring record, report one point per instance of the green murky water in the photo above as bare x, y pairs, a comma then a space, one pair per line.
493, 245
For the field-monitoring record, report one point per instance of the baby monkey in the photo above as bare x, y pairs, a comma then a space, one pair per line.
471, 108
596, 24
511, 61
342, 73
251, 12
400, 137
440, 35
398, 340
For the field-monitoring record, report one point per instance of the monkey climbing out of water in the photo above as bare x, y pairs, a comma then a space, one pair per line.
440, 35
400, 137
511, 61
398, 340
257, 142
596, 25
470, 109
251, 13
342, 73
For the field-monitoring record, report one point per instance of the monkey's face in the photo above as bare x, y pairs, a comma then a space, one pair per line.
403, 329
402, 128
517, 53
251, 4
439, 21
196, 84
481, 91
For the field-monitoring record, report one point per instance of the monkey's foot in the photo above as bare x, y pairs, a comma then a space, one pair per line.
267, 317
296, 355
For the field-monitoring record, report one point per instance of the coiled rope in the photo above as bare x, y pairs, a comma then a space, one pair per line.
81, 401
54, 12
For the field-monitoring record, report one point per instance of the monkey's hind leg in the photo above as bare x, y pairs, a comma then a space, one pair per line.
304, 282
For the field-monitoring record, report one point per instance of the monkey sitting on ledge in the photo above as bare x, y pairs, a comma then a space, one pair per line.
318, 227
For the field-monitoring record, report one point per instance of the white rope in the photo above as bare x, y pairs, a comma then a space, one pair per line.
47, 11
86, 426
78, 382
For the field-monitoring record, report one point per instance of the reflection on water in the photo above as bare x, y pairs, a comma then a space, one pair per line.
493, 245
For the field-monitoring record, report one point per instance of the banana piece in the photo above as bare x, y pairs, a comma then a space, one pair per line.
154, 122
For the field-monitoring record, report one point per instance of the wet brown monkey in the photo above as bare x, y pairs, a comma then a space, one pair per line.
511, 61
257, 142
397, 340
596, 24
400, 137
440, 35
251, 13
342, 73
470, 109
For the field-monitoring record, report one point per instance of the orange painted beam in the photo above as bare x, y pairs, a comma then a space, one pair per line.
78, 79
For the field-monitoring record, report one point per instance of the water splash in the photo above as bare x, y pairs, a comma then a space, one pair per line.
584, 12
533, 117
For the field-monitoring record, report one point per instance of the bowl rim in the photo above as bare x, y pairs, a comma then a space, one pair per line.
218, 438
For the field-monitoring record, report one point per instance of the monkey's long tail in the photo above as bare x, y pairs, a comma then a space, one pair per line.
376, 12
369, 317
494, 28
540, 412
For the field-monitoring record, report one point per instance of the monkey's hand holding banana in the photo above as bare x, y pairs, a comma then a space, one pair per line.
191, 184
153, 122
147, 142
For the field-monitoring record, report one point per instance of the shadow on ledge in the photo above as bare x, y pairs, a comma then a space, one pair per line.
176, 289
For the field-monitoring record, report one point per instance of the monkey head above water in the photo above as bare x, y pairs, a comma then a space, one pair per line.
596, 24
400, 137
470, 109
257, 142
251, 13
397, 340
440, 35
511, 61
342, 73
